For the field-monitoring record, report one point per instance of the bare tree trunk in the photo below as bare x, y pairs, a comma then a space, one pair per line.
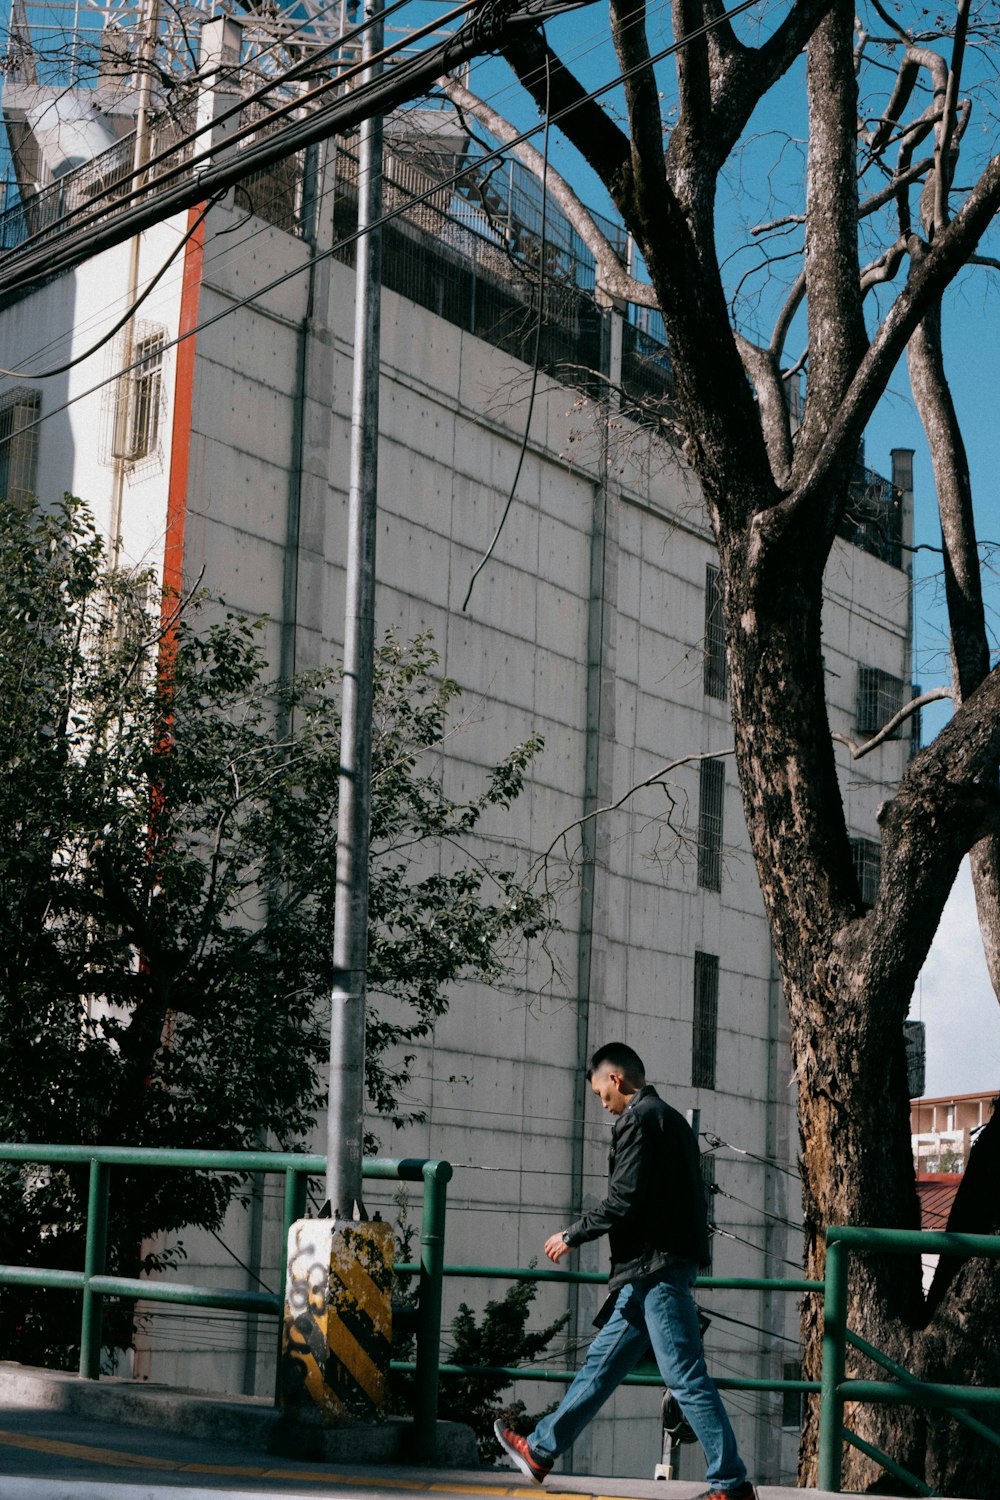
846, 1007
970, 651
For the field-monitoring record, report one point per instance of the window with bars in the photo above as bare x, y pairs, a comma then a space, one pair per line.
866, 856
880, 696
137, 419
714, 674
711, 797
792, 1402
706, 1020
19, 411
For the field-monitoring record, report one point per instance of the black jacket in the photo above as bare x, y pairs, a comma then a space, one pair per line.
654, 1213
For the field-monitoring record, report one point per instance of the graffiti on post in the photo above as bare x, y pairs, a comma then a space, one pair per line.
338, 1314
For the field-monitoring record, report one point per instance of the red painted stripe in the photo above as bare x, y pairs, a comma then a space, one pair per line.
180, 441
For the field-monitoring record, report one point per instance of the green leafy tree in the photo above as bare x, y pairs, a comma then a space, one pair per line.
167, 839
500, 1338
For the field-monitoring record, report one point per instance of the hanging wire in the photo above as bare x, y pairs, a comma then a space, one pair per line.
126, 317
257, 156
79, 220
408, 202
539, 323
717, 1143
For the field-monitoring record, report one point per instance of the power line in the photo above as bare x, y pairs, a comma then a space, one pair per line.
401, 84
90, 214
717, 1143
727, 1234
410, 201
538, 344
778, 1218
129, 313
714, 1313
370, 97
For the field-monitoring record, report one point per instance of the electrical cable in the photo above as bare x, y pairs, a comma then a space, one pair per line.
778, 1218
215, 251
727, 1234
241, 1263
539, 324
80, 219
714, 1313
126, 316
716, 1142
263, 228
235, 70
592, 43
319, 125
414, 199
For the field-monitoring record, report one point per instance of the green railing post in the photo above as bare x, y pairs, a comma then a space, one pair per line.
436, 1176
296, 1189
831, 1407
95, 1255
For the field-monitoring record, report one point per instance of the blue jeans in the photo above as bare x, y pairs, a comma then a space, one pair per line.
662, 1314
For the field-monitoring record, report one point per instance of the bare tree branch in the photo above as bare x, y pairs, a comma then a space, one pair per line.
651, 780
612, 277
764, 373
943, 152
933, 695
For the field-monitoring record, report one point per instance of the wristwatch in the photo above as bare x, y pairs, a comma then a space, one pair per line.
565, 1236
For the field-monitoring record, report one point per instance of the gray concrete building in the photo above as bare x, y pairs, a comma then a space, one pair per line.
595, 623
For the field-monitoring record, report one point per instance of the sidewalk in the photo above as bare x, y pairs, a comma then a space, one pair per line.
62, 1438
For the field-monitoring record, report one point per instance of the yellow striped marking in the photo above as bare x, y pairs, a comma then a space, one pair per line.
356, 1360
361, 1287
115, 1459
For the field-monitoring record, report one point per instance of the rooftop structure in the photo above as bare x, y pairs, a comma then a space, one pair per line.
943, 1130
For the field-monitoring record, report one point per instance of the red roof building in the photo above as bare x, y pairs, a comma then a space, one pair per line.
936, 1191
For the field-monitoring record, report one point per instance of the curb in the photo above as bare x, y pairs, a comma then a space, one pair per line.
252, 1422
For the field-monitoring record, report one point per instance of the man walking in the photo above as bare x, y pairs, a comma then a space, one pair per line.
655, 1218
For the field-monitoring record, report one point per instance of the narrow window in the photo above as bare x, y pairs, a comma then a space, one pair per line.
706, 1020
715, 637
711, 795
137, 419
915, 1042
880, 696
866, 856
791, 1401
19, 411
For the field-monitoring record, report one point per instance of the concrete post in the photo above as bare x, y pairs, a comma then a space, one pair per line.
337, 1333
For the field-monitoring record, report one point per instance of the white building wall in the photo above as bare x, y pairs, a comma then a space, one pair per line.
593, 605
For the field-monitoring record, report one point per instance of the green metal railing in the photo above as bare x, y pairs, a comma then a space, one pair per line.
641, 1376
903, 1389
834, 1388
95, 1285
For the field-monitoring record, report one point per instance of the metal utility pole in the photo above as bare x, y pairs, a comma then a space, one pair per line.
350, 945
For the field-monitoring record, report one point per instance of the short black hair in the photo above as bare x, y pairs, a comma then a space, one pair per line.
624, 1059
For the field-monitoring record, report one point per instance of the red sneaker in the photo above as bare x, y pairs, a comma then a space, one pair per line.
744, 1491
516, 1447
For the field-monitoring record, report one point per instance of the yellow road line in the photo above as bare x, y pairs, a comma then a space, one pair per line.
121, 1460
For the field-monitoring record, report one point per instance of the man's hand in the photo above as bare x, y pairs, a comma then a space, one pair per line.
556, 1247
